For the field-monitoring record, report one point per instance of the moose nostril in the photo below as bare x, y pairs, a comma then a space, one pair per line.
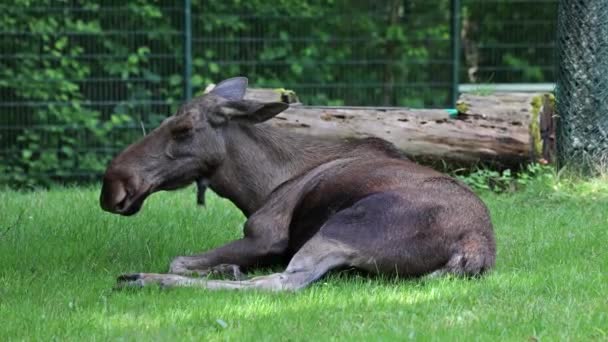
123, 198
121, 204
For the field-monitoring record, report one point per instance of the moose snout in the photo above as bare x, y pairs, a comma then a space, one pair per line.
113, 196
121, 192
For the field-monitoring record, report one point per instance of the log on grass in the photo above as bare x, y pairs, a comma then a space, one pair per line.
493, 129
506, 129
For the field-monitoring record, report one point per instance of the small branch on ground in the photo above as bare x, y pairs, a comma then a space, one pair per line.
6, 230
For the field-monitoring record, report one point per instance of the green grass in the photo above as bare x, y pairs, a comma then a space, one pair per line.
59, 262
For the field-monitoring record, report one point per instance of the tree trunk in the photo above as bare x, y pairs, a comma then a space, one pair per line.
503, 129
493, 129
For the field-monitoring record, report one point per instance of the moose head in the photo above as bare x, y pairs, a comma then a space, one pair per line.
187, 147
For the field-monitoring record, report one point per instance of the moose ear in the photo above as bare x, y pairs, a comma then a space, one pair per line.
253, 112
231, 89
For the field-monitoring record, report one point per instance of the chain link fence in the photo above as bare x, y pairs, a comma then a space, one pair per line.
80, 79
582, 93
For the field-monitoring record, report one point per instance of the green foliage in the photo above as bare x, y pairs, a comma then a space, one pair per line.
79, 79
329, 51
509, 40
60, 126
484, 179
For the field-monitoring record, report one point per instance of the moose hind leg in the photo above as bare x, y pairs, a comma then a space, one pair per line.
312, 261
318, 256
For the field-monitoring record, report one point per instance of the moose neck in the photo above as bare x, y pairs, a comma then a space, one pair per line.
258, 159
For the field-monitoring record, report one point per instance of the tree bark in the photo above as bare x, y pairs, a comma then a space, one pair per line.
492, 129
503, 129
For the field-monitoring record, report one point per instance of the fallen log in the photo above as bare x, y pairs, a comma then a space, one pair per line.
502, 134
502, 129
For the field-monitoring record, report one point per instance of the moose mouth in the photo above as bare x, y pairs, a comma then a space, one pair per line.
122, 201
131, 207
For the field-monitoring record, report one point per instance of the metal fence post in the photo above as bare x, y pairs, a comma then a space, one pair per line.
187, 50
455, 38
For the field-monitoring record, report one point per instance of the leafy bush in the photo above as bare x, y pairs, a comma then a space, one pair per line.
506, 181
79, 80
62, 121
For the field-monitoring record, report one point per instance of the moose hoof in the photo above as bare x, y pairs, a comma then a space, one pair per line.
129, 277
129, 281
180, 265
138, 280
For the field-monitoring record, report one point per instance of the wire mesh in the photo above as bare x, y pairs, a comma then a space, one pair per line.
509, 41
80, 79
332, 52
582, 93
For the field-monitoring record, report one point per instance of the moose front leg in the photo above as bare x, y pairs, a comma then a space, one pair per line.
266, 231
241, 253
265, 240
224, 271
313, 260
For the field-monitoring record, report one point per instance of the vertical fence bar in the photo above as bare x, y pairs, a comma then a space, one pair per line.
187, 50
455, 39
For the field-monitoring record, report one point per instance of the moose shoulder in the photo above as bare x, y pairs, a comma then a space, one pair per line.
313, 205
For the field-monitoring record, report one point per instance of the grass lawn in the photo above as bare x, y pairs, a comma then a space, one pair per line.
59, 262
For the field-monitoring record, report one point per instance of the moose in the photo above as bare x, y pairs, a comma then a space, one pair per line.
311, 205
